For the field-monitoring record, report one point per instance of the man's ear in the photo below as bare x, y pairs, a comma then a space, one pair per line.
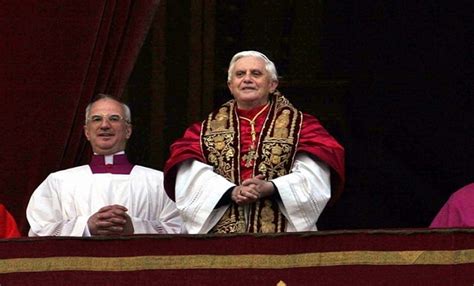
273, 86
86, 132
129, 131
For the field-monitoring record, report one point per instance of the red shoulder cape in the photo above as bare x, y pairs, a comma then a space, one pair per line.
314, 140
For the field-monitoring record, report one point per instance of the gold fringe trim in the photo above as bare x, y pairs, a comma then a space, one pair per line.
176, 262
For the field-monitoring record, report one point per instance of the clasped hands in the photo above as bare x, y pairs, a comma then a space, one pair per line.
111, 220
251, 190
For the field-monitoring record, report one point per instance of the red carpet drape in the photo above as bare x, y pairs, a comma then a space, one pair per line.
54, 57
383, 257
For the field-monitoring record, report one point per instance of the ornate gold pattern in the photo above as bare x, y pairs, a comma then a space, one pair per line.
250, 157
273, 157
230, 222
218, 141
281, 125
220, 121
278, 146
267, 215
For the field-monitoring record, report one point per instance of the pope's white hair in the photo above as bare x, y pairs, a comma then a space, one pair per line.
269, 65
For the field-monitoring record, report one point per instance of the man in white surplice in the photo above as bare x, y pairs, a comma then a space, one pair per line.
109, 196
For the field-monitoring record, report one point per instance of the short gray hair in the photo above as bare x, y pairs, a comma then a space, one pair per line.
269, 65
126, 109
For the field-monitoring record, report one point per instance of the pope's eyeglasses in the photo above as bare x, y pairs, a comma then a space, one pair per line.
112, 118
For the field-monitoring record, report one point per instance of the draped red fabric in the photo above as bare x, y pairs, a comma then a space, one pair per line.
54, 57
382, 257
314, 140
8, 227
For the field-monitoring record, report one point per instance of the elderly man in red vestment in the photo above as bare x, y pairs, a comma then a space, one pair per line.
8, 228
256, 164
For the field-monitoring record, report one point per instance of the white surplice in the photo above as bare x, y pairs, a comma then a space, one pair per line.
63, 203
304, 194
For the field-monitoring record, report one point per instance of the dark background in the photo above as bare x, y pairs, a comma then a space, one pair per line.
391, 81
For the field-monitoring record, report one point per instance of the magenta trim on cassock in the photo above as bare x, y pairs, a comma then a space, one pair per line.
120, 166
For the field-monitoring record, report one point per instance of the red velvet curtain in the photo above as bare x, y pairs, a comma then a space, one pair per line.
54, 57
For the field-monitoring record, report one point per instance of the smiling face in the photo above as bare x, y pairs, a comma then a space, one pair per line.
106, 127
250, 83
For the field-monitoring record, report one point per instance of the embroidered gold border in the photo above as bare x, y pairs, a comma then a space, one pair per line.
285, 261
277, 152
218, 139
276, 149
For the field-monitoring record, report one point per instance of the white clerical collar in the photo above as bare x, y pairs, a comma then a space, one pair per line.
109, 159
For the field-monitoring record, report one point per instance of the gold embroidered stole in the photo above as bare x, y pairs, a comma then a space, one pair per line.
276, 149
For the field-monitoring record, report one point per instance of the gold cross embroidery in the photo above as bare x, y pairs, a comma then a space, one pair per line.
249, 157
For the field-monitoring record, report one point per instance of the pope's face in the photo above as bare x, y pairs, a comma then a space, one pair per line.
250, 82
106, 128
